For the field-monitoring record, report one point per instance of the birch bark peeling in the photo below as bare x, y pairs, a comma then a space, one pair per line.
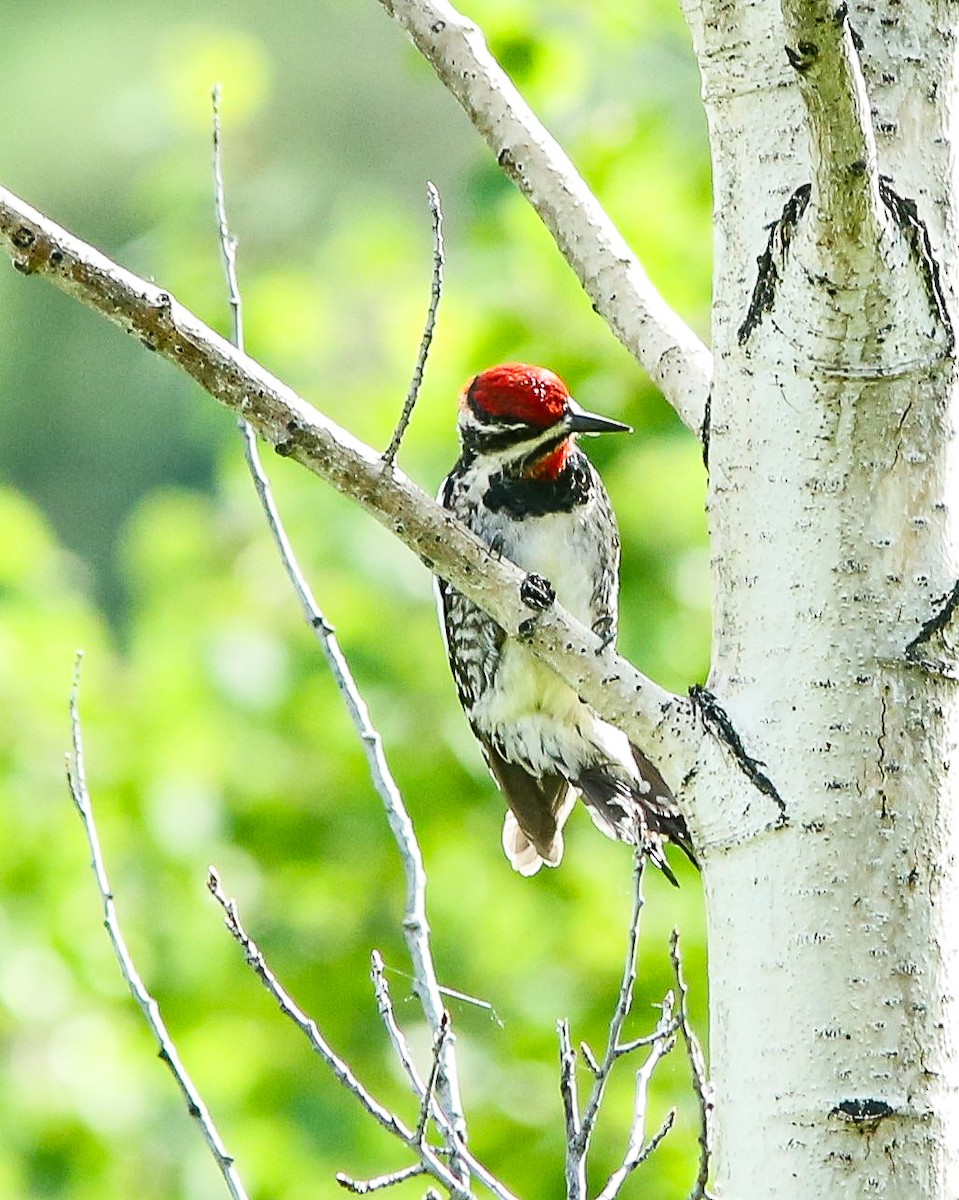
610, 273
665, 725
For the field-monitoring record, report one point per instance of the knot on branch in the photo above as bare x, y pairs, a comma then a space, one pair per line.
29, 250
803, 56
862, 1112
23, 238
286, 446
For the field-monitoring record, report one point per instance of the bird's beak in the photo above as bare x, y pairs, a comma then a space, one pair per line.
584, 422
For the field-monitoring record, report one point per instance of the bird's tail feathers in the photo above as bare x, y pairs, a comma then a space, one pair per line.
662, 812
522, 854
538, 808
644, 814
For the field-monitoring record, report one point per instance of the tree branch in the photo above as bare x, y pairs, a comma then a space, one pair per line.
575, 1158
340, 1068
637, 1148
413, 1139
845, 165
579, 1128
363, 1187
664, 725
436, 293
77, 779
697, 1063
609, 271
614, 1048
416, 930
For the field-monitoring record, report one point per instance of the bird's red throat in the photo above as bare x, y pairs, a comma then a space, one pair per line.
547, 468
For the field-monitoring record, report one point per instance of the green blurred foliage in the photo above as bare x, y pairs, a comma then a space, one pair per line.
213, 731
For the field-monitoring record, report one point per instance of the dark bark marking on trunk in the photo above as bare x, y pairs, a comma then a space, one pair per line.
863, 1112
718, 721
906, 215
705, 431
935, 625
771, 260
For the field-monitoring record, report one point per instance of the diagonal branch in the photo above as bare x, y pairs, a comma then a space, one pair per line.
610, 273
663, 724
77, 779
339, 1067
825, 56
416, 930
429, 1156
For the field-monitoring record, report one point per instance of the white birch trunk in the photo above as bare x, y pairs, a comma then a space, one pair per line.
834, 517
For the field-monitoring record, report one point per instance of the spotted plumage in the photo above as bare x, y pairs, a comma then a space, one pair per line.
523, 485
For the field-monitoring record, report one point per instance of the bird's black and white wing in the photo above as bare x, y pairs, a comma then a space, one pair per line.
532, 832
474, 641
605, 603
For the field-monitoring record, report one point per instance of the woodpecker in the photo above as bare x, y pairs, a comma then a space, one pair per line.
522, 484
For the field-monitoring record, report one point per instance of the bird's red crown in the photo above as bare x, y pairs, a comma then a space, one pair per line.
518, 392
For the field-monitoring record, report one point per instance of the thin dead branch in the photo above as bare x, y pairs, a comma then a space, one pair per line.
575, 1162
638, 1149
415, 926
579, 1127
610, 273
77, 779
701, 1084
363, 1187
436, 292
429, 1156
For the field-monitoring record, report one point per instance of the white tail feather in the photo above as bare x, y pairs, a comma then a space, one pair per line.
522, 854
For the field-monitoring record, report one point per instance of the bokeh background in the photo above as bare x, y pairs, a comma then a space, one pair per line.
214, 733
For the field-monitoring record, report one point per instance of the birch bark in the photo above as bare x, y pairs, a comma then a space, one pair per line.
834, 515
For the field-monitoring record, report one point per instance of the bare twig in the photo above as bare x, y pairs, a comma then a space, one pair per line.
436, 292
579, 1129
613, 1048
475, 1001
228, 243
384, 1002
77, 779
341, 1069
401, 1047
453, 994
363, 1187
575, 1161
589, 1058
637, 1148
438, 1044
415, 926
429, 1156
697, 1064
637, 1152
609, 271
